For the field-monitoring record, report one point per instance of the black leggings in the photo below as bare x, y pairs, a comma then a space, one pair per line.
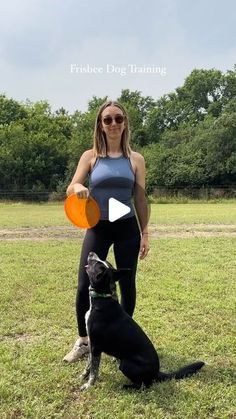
125, 237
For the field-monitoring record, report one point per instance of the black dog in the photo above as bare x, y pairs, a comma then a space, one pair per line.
114, 332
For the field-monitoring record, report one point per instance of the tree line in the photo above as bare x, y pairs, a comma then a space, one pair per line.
188, 138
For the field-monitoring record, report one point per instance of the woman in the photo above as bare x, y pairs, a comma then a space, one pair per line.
114, 171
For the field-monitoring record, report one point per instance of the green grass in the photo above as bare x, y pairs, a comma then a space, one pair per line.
185, 303
48, 214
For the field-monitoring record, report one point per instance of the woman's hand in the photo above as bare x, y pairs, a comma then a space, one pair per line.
144, 246
81, 190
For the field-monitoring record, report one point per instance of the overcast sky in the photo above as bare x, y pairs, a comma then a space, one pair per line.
42, 42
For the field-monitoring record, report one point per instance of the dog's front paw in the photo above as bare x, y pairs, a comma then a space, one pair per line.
85, 386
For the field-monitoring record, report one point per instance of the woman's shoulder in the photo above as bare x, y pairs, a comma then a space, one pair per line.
137, 161
88, 154
136, 157
90, 158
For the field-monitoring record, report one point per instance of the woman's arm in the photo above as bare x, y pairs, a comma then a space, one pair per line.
140, 201
81, 173
140, 204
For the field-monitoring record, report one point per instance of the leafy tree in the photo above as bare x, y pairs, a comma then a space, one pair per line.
95, 103
188, 137
201, 88
10, 111
137, 108
136, 101
204, 92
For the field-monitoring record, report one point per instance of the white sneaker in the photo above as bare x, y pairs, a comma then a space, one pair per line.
79, 350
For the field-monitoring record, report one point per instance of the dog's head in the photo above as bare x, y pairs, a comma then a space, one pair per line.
102, 275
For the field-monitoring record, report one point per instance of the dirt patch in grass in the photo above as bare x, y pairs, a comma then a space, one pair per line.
193, 230
19, 337
41, 233
164, 230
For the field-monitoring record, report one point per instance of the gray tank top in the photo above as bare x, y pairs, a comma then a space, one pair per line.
112, 177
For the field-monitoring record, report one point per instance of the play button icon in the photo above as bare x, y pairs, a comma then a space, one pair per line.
116, 209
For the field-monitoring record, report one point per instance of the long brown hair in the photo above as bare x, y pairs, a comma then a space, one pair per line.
99, 139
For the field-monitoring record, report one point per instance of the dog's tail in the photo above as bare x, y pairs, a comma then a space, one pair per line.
183, 372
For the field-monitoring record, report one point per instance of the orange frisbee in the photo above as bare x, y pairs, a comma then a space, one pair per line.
82, 212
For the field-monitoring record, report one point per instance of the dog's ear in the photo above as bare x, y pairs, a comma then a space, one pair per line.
117, 274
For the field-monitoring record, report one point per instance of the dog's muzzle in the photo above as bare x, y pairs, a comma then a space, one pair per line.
92, 256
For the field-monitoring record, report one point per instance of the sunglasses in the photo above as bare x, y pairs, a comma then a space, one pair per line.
107, 120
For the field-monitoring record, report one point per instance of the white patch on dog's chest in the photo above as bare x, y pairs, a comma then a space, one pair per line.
87, 316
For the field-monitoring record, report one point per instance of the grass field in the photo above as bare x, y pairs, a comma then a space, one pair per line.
185, 303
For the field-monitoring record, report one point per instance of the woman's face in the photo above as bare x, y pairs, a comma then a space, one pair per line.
113, 122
